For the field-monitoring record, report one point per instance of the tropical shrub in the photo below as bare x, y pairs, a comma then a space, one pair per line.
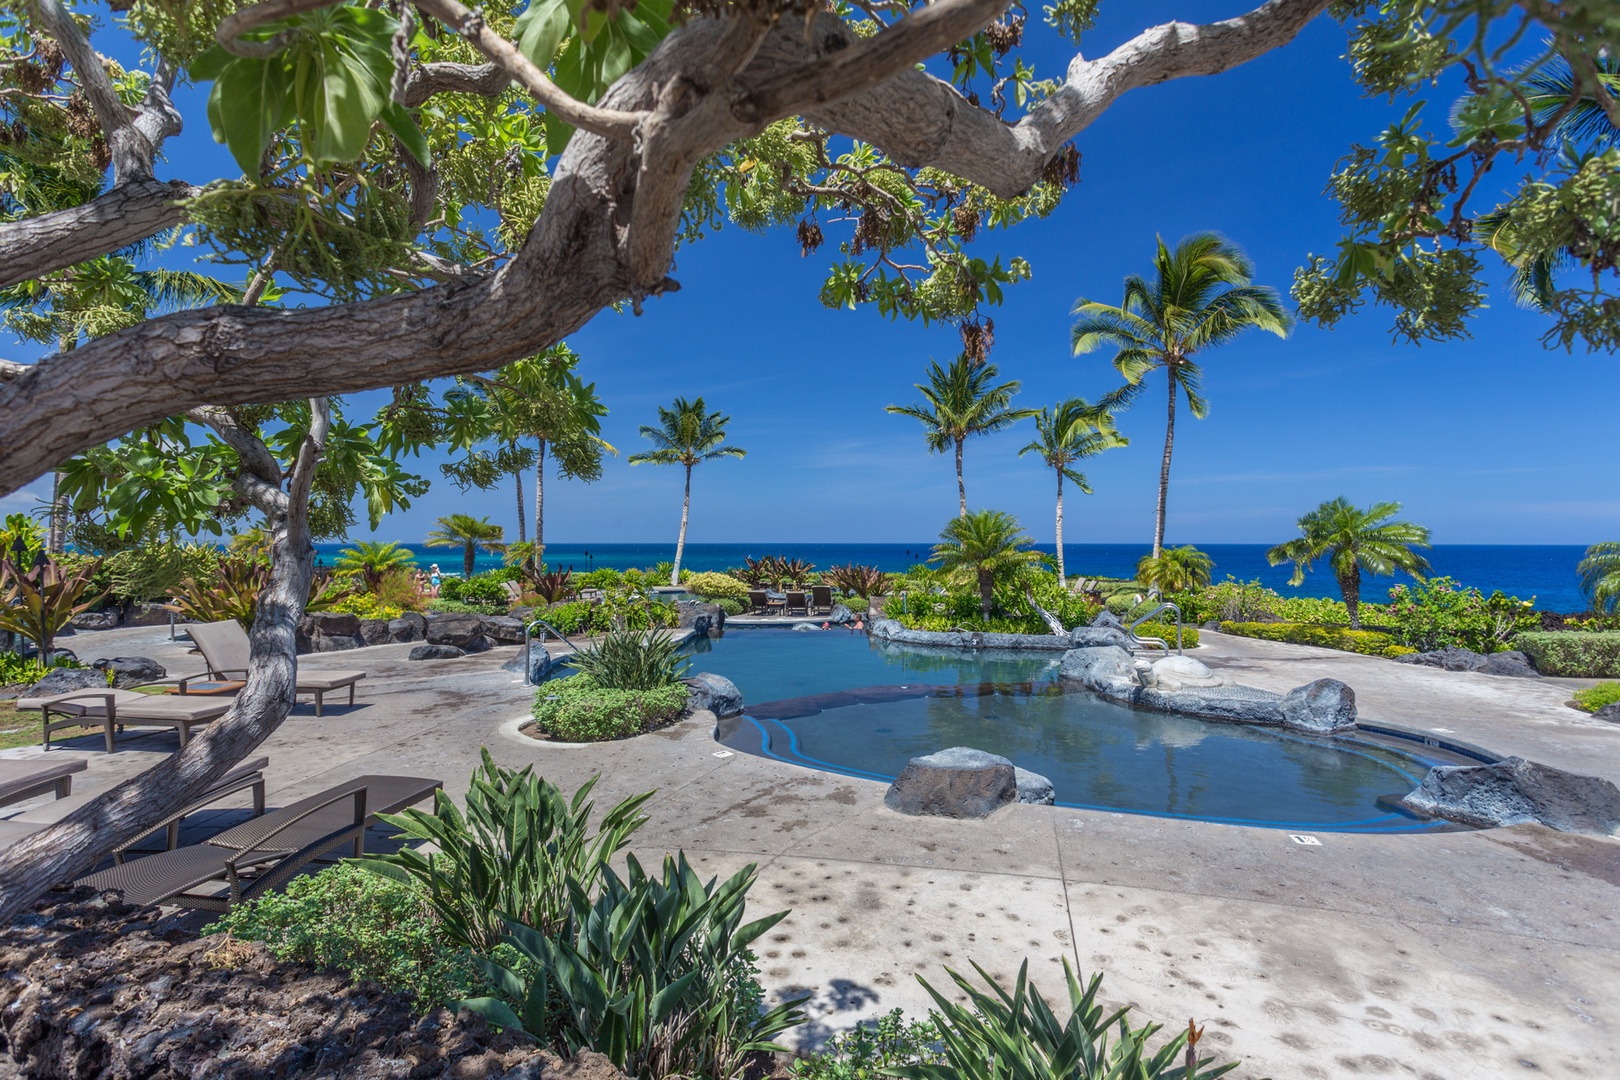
518, 851
578, 710
153, 571
655, 974
487, 592
630, 660
1596, 697
713, 586
1319, 611
731, 607
398, 589
366, 606
1166, 632
232, 592
456, 607
21, 670
36, 603
659, 572
637, 579
570, 618
1366, 642
856, 580
869, 1051
1012, 1036
370, 560
622, 609
606, 578
1600, 577
368, 927
1439, 612
554, 586
1575, 656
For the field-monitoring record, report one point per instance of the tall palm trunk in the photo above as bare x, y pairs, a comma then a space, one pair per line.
522, 526
56, 540
1062, 581
987, 592
1164, 467
680, 545
961, 488
468, 554
1350, 588
540, 501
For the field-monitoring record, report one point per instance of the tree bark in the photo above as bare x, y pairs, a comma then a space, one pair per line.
523, 526
1350, 589
680, 545
74, 845
577, 258
540, 501
55, 541
961, 488
987, 592
1062, 581
1164, 466
469, 553
36, 246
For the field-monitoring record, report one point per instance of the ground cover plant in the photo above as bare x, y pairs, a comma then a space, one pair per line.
1577, 656
628, 683
1366, 642
1593, 698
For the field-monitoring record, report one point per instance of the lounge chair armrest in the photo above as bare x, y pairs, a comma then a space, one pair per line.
108, 698
358, 795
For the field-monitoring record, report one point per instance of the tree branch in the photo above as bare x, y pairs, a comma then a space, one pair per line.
233, 26
127, 214
486, 80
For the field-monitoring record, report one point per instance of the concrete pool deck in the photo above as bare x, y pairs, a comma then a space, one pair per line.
1446, 954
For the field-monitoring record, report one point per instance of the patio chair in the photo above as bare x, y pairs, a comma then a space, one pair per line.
758, 603
249, 774
514, 591
21, 780
114, 710
821, 599
796, 601
263, 854
225, 649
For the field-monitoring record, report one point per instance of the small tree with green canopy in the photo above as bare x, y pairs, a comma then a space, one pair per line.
468, 533
1201, 296
1600, 576
1354, 540
1175, 569
958, 402
984, 546
372, 560
1069, 432
687, 434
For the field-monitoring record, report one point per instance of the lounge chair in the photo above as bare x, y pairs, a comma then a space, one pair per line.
797, 601
226, 650
758, 602
249, 774
260, 855
114, 710
21, 780
514, 591
821, 599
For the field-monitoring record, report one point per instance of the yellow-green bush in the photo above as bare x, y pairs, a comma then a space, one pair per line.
712, 586
1365, 642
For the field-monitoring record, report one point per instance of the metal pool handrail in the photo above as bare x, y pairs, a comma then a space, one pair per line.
528, 641
1139, 640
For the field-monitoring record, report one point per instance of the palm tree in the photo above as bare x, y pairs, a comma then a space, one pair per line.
687, 434
962, 401
1354, 540
1201, 296
988, 544
469, 534
1066, 433
1600, 576
372, 560
1174, 570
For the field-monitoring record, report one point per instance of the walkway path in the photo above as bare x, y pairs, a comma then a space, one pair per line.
1459, 954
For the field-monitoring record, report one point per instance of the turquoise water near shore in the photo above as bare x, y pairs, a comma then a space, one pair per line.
1544, 572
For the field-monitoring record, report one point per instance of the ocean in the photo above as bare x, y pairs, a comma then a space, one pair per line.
1545, 573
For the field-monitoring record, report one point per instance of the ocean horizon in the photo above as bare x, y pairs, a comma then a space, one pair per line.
1542, 572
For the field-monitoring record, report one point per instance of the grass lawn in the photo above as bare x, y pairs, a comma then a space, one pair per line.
18, 728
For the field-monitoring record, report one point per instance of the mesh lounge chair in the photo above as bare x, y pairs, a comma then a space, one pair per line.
114, 710
821, 599
758, 602
514, 591
263, 854
249, 774
225, 649
797, 601
21, 780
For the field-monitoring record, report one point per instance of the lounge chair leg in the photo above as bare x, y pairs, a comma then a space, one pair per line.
185, 734
318, 697
351, 693
109, 730
258, 799
64, 787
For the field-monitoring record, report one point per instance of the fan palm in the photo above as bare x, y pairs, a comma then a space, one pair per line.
960, 401
986, 544
372, 560
1354, 540
1600, 576
1175, 570
469, 534
688, 435
1201, 296
1066, 433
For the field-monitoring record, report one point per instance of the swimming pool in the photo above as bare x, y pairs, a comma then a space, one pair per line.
837, 701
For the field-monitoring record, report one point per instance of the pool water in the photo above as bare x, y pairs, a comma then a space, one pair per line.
834, 700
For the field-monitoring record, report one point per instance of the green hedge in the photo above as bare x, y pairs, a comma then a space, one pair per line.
577, 710
1366, 642
713, 586
1167, 632
1576, 656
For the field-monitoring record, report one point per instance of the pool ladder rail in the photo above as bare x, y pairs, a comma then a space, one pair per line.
1140, 642
528, 641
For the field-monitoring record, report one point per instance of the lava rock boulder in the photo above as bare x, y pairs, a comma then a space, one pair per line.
1324, 706
67, 680
956, 783
1034, 788
1514, 791
435, 652
131, 670
716, 693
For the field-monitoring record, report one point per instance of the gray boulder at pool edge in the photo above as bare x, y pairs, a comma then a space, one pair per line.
957, 783
715, 693
1034, 788
1180, 673
1514, 791
435, 652
1324, 706
542, 665
1512, 664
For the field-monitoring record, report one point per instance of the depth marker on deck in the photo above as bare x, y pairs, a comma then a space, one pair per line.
1308, 841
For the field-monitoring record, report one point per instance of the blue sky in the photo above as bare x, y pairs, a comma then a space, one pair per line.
1489, 440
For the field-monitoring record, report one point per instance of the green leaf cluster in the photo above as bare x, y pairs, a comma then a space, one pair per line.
1593, 698
1572, 656
578, 710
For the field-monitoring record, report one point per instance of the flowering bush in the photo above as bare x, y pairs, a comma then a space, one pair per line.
367, 606
1439, 612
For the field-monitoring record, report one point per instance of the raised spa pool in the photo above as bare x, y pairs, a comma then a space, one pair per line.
837, 701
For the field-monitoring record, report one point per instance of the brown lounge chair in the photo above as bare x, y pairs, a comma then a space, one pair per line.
21, 780
796, 601
225, 649
249, 774
821, 601
758, 602
263, 854
114, 710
